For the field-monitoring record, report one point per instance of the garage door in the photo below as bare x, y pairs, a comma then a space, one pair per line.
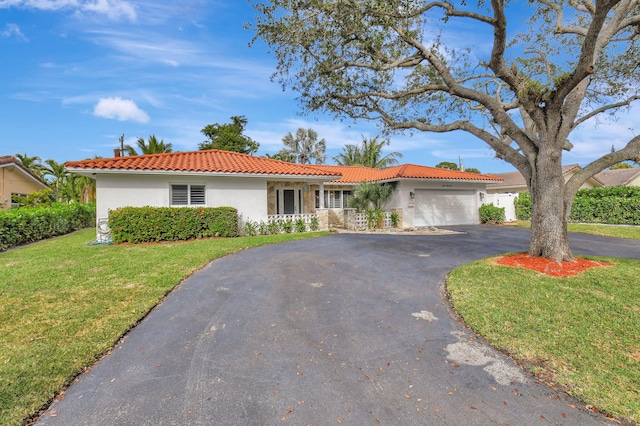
438, 207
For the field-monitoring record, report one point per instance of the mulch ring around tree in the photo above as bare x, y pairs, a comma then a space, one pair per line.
548, 266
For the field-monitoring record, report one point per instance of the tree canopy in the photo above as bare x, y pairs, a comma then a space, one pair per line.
305, 146
368, 154
229, 137
447, 165
394, 61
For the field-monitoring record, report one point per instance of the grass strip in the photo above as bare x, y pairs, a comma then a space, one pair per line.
580, 332
615, 231
63, 304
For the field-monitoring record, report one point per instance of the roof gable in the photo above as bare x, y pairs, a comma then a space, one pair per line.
516, 180
7, 161
618, 177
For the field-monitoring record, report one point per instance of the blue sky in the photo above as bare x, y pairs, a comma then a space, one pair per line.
77, 74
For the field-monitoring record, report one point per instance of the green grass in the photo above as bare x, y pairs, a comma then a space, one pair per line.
616, 231
581, 332
63, 304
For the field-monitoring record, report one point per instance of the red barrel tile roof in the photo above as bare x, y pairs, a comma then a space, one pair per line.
210, 161
356, 174
216, 161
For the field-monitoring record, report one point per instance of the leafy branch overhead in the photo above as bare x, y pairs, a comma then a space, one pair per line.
521, 93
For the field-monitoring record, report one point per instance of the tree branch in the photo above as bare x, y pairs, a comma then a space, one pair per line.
629, 152
605, 108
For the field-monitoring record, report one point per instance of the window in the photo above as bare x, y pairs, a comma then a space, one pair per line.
15, 199
334, 199
187, 195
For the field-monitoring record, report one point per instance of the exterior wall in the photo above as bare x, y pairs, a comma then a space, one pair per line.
402, 197
14, 181
248, 195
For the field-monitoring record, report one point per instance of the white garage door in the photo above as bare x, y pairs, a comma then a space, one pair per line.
444, 207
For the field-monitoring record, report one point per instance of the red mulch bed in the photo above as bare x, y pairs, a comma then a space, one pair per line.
550, 267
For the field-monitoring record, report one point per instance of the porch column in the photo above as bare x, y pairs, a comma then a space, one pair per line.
322, 195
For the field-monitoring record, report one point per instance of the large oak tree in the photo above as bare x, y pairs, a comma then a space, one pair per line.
388, 60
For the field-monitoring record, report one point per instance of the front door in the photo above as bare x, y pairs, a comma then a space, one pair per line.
288, 201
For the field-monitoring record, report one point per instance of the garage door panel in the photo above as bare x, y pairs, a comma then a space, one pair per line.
438, 207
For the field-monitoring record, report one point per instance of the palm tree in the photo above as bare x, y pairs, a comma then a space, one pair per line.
33, 164
368, 154
306, 146
58, 176
351, 155
79, 188
371, 196
153, 146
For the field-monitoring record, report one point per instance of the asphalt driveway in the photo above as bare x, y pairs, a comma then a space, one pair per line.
345, 329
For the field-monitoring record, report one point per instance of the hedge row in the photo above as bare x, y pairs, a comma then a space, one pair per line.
619, 205
28, 224
151, 224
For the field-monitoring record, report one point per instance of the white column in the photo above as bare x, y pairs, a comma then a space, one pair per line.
322, 195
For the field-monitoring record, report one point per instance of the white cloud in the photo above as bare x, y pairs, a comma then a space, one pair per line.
12, 30
120, 109
114, 9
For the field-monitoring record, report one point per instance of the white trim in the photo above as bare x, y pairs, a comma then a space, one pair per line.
27, 174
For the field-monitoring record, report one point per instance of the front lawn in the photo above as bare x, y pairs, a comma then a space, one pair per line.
581, 332
63, 304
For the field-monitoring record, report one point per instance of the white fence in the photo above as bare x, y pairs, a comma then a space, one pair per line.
503, 200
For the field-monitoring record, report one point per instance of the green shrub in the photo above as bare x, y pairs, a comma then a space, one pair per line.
147, 224
491, 214
395, 219
287, 225
274, 226
250, 228
374, 217
314, 225
617, 205
28, 224
522, 204
300, 225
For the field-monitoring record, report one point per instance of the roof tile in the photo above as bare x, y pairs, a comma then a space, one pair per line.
209, 161
355, 174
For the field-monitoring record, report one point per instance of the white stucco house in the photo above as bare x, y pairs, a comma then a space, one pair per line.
261, 188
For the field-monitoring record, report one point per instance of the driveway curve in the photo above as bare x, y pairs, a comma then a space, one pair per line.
345, 329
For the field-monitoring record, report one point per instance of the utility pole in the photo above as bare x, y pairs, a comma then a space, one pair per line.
121, 145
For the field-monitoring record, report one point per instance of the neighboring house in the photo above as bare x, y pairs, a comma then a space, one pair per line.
260, 188
16, 180
502, 194
620, 177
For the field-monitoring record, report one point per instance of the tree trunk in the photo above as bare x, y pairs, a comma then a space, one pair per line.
549, 215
